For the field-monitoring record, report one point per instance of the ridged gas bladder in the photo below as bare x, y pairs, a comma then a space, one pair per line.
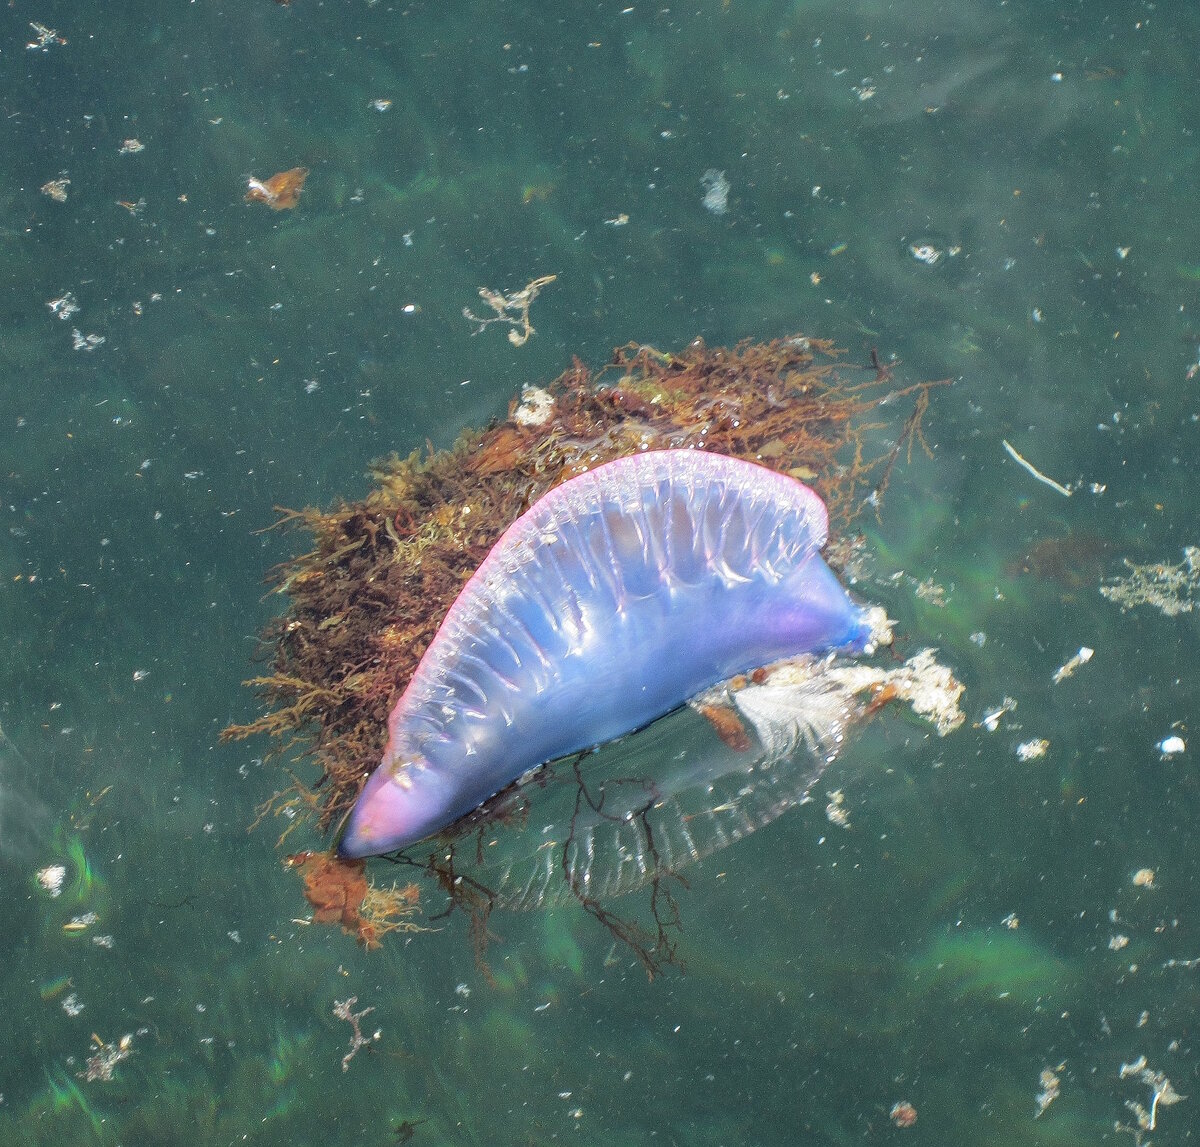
615, 598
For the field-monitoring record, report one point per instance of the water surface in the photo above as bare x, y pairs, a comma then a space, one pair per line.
963, 935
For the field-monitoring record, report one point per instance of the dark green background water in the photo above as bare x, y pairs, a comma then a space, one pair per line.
829, 972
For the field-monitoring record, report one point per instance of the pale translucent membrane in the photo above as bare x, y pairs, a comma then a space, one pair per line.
675, 793
670, 796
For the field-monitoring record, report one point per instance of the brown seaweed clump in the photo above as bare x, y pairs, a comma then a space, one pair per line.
366, 599
340, 893
1073, 560
281, 192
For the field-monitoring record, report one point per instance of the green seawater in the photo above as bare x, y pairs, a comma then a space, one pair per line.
975, 925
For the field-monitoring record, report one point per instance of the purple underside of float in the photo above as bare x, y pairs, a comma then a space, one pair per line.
614, 599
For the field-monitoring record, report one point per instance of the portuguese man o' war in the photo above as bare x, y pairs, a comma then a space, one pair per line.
615, 598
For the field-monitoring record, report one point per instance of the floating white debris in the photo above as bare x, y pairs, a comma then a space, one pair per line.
104, 1059
512, 309
813, 701
930, 688
929, 591
1081, 658
341, 1009
1031, 469
89, 342
1050, 1090
716, 191
991, 719
836, 811
51, 878
1169, 588
1032, 750
1162, 1094
44, 38
56, 189
536, 409
1179, 963
1134, 1068
924, 253
81, 923
64, 306
1170, 746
